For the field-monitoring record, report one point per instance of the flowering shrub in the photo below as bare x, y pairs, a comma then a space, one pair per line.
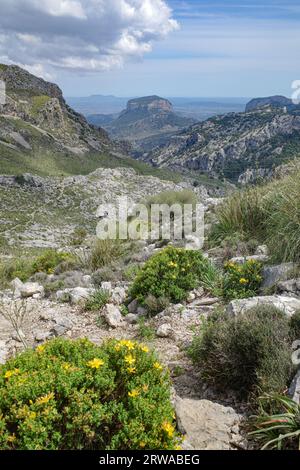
75, 395
49, 260
171, 274
242, 280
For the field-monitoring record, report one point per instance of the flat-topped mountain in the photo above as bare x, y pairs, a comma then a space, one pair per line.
146, 122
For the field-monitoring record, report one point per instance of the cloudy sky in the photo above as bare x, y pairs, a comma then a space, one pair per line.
167, 47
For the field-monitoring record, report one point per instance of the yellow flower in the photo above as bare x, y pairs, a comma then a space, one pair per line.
157, 366
145, 349
41, 348
145, 388
32, 415
129, 359
134, 393
11, 373
168, 428
45, 399
131, 370
243, 281
128, 344
66, 366
142, 445
95, 363
11, 438
178, 448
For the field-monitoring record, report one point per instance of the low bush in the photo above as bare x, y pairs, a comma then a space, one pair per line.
75, 395
242, 280
97, 300
249, 354
50, 260
104, 253
269, 213
171, 274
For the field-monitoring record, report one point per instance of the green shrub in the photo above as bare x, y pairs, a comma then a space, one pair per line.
248, 354
104, 253
105, 274
75, 395
97, 300
78, 236
11, 269
268, 213
172, 273
242, 280
280, 431
295, 326
50, 260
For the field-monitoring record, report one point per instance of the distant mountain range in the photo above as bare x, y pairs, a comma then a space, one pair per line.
241, 147
195, 108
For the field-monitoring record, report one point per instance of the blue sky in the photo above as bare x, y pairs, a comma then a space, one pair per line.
222, 48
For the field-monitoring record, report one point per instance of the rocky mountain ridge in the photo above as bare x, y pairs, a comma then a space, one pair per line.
231, 145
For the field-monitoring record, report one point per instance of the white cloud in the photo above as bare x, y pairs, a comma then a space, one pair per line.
82, 35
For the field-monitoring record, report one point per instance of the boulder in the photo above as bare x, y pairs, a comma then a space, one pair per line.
113, 316
193, 243
292, 286
288, 305
62, 325
273, 274
164, 331
42, 336
29, 289
133, 306
118, 295
294, 390
131, 318
80, 295
16, 286
206, 425
262, 250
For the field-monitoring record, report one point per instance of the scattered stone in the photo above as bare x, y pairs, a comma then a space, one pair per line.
16, 286
206, 425
273, 274
29, 289
42, 336
165, 331
141, 311
288, 305
118, 295
113, 315
79, 295
262, 250
292, 286
131, 318
205, 302
133, 306
59, 330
